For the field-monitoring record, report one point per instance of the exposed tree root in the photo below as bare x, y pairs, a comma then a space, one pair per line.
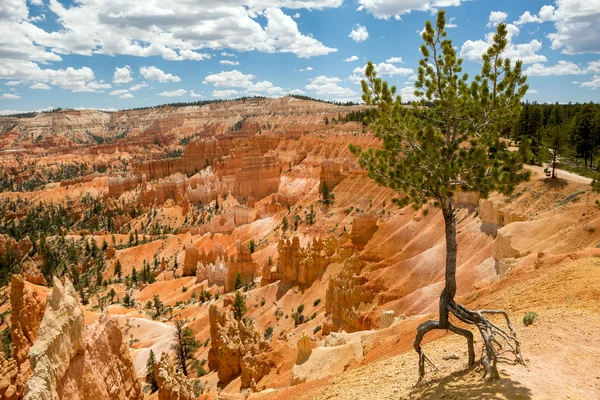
495, 338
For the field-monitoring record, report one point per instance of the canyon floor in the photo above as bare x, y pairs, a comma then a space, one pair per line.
153, 217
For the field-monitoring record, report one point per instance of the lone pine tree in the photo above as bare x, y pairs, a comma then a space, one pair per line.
185, 345
449, 141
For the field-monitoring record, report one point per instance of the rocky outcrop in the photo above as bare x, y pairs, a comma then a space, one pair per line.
387, 318
31, 270
330, 174
215, 273
10, 388
304, 348
119, 185
172, 384
242, 265
18, 249
191, 258
27, 313
491, 213
72, 362
345, 298
364, 227
105, 370
60, 338
258, 177
304, 265
235, 348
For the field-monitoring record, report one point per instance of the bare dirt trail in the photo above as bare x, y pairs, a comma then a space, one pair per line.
561, 173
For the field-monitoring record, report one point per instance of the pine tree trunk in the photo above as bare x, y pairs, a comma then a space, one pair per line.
451, 251
554, 165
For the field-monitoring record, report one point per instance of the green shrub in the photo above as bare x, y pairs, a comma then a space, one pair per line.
529, 318
317, 328
316, 303
268, 332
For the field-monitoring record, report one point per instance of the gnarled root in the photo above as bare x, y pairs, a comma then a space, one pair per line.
495, 338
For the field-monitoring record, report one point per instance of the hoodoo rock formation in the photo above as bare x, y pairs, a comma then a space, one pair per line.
60, 339
234, 347
304, 265
172, 383
364, 227
10, 388
243, 266
27, 313
330, 174
70, 361
346, 298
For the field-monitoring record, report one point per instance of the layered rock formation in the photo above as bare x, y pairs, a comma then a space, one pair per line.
243, 265
32, 272
172, 384
346, 297
9, 384
330, 174
27, 311
193, 257
235, 348
304, 265
215, 273
304, 348
364, 227
258, 177
72, 362
60, 339
220, 269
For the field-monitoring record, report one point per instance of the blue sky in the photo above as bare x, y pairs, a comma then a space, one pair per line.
116, 54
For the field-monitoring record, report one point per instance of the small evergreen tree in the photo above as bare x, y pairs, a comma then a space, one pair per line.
118, 270
284, 224
239, 306
150, 378
557, 142
112, 294
158, 305
326, 195
238, 281
185, 344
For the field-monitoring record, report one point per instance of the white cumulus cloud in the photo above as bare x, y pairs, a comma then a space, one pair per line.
496, 17
359, 33
385, 69
394, 60
593, 84
39, 86
122, 75
561, 68
154, 74
328, 88
385, 9
173, 93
